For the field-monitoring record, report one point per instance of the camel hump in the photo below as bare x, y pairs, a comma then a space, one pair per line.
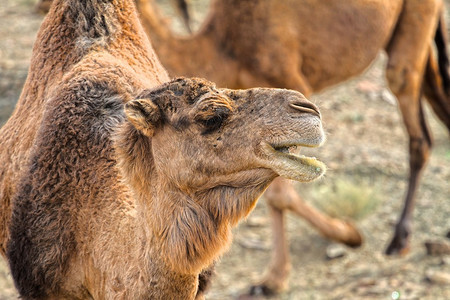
94, 23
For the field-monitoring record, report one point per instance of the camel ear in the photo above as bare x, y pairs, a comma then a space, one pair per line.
143, 114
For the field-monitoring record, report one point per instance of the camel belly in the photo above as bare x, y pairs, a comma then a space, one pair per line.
338, 41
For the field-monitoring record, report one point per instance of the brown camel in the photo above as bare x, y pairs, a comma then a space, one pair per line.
116, 185
309, 45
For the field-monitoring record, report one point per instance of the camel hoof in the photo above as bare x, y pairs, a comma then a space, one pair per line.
353, 238
394, 249
250, 297
261, 290
399, 244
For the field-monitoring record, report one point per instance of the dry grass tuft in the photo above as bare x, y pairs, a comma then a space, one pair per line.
345, 198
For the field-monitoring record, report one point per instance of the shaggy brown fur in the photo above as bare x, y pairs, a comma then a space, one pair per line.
308, 45
114, 185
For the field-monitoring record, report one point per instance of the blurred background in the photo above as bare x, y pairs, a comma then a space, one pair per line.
367, 156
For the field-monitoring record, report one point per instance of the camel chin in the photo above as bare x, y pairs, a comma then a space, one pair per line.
285, 162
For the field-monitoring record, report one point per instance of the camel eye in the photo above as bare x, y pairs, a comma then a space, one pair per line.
211, 117
211, 124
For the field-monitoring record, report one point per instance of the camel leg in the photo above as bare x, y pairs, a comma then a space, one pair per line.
281, 196
330, 228
441, 41
276, 278
434, 91
408, 52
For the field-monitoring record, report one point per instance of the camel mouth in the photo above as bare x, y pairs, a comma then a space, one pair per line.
285, 160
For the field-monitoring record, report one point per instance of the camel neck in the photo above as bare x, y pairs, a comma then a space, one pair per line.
191, 227
198, 55
183, 229
173, 223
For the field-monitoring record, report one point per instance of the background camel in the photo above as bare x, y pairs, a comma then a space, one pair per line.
281, 44
96, 206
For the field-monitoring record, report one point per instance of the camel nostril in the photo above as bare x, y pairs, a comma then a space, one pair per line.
304, 106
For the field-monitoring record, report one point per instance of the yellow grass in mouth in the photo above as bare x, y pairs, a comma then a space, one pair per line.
294, 166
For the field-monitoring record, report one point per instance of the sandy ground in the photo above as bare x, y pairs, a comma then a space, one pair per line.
366, 151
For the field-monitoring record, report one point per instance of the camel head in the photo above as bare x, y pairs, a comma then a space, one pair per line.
206, 155
204, 137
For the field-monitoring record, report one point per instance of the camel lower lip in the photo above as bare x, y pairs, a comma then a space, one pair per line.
304, 160
294, 166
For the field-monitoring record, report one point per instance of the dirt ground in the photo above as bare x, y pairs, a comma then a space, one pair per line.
366, 151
